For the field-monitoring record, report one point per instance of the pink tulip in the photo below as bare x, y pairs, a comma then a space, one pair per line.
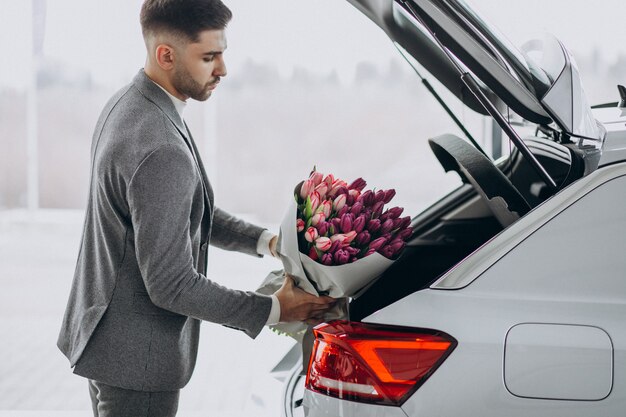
387, 226
350, 236
341, 257
323, 244
316, 177
358, 184
346, 223
362, 238
355, 194
317, 217
329, 180
311, 234
373, 226
339, 237
389, 194
327, 259
353, 259
369, 252
337, 185
300, 225
306, 189
322, 189
339, 202
377, 243
326, 208
359, 223
315, 200
313, 254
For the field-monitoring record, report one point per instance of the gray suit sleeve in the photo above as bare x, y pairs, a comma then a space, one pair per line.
160, 196
232, 233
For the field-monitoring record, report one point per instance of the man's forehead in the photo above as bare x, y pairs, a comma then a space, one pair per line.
214, 40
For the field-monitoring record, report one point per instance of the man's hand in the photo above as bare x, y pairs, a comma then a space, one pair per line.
299, 305
273, 242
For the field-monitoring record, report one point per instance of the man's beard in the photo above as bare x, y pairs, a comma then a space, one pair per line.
184, 83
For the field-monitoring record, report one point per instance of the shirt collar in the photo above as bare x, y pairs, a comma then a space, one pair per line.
178, 103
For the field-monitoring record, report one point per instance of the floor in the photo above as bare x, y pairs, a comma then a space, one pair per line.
37, 258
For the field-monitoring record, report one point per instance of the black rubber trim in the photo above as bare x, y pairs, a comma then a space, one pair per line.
457, 155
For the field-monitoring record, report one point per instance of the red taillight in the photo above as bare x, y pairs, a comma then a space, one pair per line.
373, 363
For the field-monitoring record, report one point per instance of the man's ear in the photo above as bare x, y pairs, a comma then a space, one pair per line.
165, 56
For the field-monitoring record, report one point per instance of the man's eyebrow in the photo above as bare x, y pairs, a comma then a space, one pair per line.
213, 53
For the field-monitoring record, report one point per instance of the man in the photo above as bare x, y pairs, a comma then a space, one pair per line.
139, 291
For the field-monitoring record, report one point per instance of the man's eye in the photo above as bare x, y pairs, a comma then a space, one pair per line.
209, 59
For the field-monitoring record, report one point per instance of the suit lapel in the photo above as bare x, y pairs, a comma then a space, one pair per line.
153, 92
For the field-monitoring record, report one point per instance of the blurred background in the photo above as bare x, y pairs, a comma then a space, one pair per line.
310, 83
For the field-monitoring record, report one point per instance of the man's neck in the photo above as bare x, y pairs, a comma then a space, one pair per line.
178, 103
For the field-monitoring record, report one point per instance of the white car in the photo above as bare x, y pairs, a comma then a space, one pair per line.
511, 297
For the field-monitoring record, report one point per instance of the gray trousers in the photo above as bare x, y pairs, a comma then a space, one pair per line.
109, 401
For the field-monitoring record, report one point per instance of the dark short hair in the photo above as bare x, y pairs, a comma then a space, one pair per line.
183, 17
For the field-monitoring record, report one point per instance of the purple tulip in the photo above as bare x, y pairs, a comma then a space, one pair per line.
402, 222
367, 198
389, 194
377, 209
377, 243
369, 252
346, 223
358, 184
356, 209
335, 246
343, 210
353, 259
359, 223
349, 200
387, 226
404, 234
379, 196
352, 251
395, 212
327, 259
322, 228
362, 238
373, 225
386, 251
341, 257
342, 190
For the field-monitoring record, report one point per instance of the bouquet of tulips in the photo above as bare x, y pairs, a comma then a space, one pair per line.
338, 223
336, 239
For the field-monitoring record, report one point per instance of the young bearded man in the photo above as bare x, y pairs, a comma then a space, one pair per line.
140, 288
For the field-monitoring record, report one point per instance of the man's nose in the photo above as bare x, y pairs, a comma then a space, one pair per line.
220, 68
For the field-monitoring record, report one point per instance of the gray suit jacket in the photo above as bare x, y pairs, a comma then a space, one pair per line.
140, 290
